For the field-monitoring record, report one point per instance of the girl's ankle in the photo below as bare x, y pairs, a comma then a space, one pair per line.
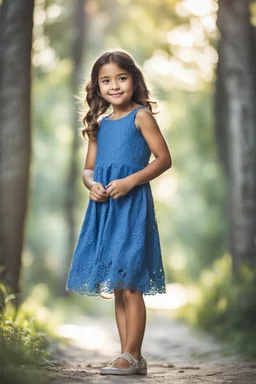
136, 355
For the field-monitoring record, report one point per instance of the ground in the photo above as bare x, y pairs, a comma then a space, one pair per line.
175, 354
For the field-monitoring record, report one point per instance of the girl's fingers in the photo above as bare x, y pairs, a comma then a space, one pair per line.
95, 194
117, 196
101, 198
99, 192
102, 190
110, 190
98, 197
101, 195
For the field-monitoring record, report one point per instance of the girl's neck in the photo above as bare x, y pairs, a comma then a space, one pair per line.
120, 111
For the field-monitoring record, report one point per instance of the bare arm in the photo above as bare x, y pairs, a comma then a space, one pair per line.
88, 173
97, 190
156, 142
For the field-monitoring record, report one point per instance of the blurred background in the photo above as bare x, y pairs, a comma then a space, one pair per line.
199, 60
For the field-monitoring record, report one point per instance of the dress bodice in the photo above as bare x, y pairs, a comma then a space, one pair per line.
120, 142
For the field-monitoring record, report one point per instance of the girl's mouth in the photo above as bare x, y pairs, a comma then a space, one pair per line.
115, 94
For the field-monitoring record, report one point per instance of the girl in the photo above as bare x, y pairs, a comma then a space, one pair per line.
118, 249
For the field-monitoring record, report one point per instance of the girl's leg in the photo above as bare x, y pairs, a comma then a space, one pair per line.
120, 316
135, 318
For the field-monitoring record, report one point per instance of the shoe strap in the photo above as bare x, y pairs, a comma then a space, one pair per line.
127, 356
113, 361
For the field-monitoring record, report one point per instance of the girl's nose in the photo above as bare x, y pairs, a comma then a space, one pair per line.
115, 85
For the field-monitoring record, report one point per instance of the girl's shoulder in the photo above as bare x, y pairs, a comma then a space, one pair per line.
142, 110
144, 114
144, 118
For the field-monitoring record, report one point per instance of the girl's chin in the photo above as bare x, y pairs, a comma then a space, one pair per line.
120, 101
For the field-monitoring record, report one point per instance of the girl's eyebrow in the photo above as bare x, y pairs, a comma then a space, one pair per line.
119, 74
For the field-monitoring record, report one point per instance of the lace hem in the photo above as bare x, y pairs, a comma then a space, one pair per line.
108, 288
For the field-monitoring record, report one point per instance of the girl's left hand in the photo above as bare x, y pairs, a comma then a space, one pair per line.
118, 188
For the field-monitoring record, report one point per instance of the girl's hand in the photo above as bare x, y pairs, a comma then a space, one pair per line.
118, 188
98, 192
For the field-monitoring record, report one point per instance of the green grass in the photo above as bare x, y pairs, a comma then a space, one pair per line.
23, 355
225, 305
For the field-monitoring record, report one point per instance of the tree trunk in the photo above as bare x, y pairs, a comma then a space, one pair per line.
236, 125
73, 172
16, 24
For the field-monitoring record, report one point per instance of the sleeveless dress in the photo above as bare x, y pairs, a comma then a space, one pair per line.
118, 246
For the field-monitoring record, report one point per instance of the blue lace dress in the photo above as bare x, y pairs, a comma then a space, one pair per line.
118, 246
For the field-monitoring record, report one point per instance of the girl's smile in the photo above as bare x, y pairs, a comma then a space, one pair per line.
116, 94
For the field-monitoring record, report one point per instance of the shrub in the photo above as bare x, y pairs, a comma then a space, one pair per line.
226, 305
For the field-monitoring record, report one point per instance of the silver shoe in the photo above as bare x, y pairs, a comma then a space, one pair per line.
136, 367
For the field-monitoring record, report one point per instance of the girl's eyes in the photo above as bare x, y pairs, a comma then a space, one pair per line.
106, 81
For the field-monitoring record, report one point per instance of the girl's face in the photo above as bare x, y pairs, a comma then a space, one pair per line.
115, 84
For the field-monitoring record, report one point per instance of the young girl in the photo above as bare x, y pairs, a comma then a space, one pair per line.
118, 250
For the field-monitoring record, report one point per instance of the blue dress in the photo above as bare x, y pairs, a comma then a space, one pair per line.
118, 246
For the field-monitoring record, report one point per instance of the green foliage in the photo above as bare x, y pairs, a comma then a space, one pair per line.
225, 304
22, 349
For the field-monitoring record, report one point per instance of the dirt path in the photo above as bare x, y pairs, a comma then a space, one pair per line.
175, 354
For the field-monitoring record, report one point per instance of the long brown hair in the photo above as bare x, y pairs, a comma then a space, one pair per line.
97, 105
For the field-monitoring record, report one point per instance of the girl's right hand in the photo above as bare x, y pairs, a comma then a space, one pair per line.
98, 192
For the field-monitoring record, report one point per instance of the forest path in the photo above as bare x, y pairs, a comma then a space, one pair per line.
175, 354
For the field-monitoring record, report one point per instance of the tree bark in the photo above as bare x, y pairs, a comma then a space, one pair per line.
236, 125
16, 24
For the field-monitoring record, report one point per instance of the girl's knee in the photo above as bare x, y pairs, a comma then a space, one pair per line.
128, 294
119, 299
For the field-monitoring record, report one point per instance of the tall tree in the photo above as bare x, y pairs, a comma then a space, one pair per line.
236, 125
16, 24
